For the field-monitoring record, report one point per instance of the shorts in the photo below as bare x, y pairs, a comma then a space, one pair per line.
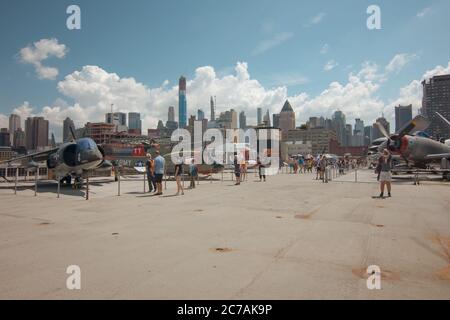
385, 176
158, 178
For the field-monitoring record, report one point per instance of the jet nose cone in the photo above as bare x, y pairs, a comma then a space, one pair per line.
87, 156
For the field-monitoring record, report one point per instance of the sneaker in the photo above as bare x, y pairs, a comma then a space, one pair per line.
389, 195
381, 195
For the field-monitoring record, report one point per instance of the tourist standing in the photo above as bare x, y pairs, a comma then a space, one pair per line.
237, 171
261, 170
384, 169
159, 164
149, 166
178, 175
193, 173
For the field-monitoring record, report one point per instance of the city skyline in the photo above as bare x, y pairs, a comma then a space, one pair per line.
318, 75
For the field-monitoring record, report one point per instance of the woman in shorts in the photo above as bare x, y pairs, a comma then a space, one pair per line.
384, 170
178, 174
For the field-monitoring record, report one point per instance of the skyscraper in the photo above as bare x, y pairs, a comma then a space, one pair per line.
182, 103
242, 120
266, 119
339, 123
200, 115
171, 114
119, 119
19, 138
135, 122
368, 135
259, 116
5, 139
213, 109
276, 120
436, 98
36, 133
358, 133
287, 118
234, 119
67, 124
403, 115
14, 125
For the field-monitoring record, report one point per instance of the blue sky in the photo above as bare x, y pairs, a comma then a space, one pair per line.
285, 43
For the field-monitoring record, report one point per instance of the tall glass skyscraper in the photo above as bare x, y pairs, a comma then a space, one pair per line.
182, 103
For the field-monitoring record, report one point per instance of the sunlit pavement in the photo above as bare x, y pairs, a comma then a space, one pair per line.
290, 238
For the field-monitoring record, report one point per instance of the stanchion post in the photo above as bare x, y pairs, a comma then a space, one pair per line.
35, 181
59, 186
144, 181
87, 188
118, 182
15, 182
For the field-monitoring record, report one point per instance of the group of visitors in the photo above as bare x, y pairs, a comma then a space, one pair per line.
240, 170
155, 169
301, 165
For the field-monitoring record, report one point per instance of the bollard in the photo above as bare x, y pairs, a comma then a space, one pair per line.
356, 175
15, 183
87, 188
35, 182
118, 183
145, 178
59, 186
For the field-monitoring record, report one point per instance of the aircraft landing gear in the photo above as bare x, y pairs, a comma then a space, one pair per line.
78, 183
446, 176
67, 180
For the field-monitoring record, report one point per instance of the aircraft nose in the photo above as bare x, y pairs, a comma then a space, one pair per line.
87, 156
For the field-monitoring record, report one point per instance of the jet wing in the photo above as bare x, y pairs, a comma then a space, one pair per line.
438, 156
38, 156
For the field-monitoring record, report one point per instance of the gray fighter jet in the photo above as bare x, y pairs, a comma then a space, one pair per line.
73, 159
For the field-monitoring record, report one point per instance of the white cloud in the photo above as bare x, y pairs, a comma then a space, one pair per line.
288, 79
423, 13
273, 42
318, 18
40, 51
325, 48
412, 93
93, 89
400, 61
330, 65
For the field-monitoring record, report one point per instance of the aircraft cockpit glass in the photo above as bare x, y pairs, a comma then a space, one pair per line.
86, 144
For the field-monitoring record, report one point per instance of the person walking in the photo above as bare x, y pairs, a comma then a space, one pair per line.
243, 170
178, 174
237, 170
261, 170
159, 164
149, 166
193, 173
323, 167
384, 171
